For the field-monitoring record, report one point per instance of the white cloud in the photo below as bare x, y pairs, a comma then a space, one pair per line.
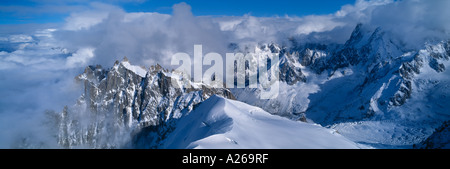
84, 20
95, 14
144, 36
81, 57
414, 21
359, 9
20, 38
317, 24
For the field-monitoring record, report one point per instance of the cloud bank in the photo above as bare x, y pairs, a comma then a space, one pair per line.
150, 38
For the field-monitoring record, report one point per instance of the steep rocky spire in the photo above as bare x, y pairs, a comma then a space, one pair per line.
125, 59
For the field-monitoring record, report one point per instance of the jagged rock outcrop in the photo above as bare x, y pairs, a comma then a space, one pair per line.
434, 55
289, 73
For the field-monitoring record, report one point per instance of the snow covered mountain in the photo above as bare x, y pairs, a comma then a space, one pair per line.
120, 101
222, 123
128, 107
373, 90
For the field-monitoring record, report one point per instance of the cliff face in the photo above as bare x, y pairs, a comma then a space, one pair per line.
438, 140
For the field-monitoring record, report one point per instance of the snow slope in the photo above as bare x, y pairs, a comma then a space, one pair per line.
136, 69
222, 123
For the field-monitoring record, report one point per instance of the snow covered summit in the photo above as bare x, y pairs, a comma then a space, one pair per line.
222, 123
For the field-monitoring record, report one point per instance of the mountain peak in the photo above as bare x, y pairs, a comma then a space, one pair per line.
125, 59
364, 35
356, 35
139, 70
136, 69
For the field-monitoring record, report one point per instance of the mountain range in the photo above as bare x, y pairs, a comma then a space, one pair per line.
370, 92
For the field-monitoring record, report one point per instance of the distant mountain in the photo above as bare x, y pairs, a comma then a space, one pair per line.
370, 82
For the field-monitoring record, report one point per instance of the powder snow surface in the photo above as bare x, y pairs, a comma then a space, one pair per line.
136, 69
223, 123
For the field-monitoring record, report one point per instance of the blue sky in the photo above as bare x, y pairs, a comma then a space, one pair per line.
54, 11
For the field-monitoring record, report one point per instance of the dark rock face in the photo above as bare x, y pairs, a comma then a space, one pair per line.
438, 67
291, 74
440, 139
